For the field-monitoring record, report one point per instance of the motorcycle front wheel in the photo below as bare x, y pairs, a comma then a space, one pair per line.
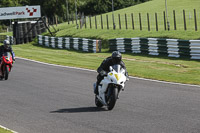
112, 99
6, 72
97, 102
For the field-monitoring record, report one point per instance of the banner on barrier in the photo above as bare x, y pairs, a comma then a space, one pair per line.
20, 12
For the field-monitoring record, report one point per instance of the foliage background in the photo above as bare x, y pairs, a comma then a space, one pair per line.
59, 8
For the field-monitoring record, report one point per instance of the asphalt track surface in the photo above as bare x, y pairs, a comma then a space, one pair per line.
39, 98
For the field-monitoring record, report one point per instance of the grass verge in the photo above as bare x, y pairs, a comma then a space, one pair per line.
152, 67
4, 130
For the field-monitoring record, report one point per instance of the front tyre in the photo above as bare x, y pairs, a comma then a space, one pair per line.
97, 102
112, 100
6, 72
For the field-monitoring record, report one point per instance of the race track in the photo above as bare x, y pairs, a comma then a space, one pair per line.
39, 98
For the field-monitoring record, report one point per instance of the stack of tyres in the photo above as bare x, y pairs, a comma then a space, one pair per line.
25, 30
42, 27
38, 28
34, 31
30, 33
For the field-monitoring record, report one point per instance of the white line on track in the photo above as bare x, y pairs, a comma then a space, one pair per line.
95, 71
7, 129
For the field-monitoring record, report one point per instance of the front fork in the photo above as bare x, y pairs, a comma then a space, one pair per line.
110, 90
8, 67
3, 68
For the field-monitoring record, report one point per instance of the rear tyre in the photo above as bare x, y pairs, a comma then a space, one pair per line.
113, 98
97, 102
6, 72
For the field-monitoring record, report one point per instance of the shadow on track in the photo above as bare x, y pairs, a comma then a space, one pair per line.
78, 110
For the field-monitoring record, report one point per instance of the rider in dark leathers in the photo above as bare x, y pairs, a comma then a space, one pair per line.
103, 69
6, 48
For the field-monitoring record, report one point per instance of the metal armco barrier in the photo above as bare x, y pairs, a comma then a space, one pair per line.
81, 44
156, 46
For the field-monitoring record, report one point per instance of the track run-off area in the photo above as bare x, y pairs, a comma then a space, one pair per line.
44, 98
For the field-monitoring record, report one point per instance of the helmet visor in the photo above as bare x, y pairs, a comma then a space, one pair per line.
116, 60
6, 46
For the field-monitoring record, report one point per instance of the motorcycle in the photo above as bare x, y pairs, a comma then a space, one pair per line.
6, 65
110, 87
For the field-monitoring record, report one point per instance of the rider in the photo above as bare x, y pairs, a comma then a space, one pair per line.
6, 48
103, 69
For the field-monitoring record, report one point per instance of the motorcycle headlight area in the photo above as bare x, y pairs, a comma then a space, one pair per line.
118, 76
115, 76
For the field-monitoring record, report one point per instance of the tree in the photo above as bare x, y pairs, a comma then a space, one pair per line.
7, 3
103, 6
51, 8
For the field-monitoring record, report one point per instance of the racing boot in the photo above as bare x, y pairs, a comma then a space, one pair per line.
96, 89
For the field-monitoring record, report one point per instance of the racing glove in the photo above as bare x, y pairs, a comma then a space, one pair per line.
103, 73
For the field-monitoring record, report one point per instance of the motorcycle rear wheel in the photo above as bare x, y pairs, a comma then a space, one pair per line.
112, 100
97, 102
6, 72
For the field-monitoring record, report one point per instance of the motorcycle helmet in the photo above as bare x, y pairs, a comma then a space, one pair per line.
116, 57
6, 44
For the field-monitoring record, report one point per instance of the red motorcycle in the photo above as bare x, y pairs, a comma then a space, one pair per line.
6, 65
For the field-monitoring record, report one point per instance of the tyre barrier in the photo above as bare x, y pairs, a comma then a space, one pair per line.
156, 46
10, 38
82, 44
26, 31
6, 37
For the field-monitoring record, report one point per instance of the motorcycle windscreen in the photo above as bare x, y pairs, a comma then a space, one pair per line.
117, 68
7, 55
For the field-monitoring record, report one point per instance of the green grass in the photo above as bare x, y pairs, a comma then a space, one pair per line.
151, 7
7, 33
4, 130
105, 35
152, 67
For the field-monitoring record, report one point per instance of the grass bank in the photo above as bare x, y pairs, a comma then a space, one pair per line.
152, 67
65, 30
151, 7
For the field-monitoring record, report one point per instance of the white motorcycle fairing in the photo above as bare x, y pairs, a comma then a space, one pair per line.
116, 77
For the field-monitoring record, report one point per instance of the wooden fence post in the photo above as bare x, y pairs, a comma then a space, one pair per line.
174, 19
164, 21
113, 18
79, 21
101, 22
156, 21
107, 22
85, 22
140, 21
195, 19
90, 22
126, 21
185, 27
69, 19
72, 18
96, 22
148, 22
132, 21
119, 21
